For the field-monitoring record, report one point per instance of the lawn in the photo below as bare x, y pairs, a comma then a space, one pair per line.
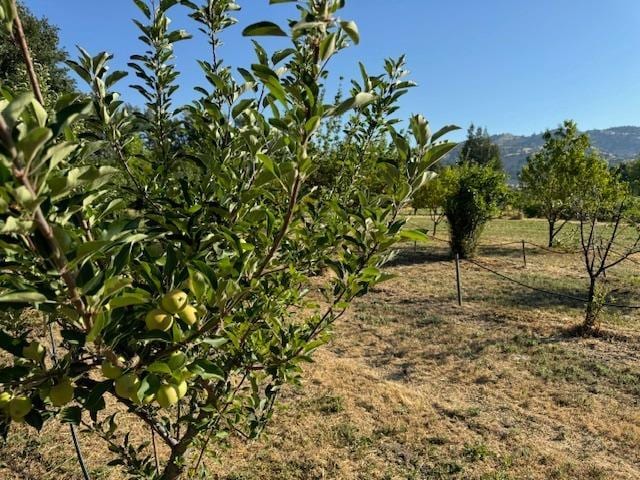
415, 387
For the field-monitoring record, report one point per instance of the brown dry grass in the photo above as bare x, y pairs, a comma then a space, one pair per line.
413, 387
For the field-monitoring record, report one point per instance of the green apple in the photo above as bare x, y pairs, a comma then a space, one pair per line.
189, 315
19, 407
127, 385
62, 393
174, 301
158, 320
5, 398
145, 401
181, 388
167, 396
34, 351
176, 361
111, 371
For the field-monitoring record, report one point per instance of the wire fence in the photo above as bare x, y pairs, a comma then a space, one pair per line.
541, 247
525, 285
547, 292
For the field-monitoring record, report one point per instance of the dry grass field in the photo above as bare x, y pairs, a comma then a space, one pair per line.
415, 387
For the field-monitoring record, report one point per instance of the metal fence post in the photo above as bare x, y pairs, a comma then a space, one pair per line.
458, 280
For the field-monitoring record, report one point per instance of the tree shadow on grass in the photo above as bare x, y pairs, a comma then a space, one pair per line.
512, 251
513, 295
409, 256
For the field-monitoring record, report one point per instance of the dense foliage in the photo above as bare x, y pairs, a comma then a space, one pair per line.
174, 255
478, 148
47, 53
629, 172
559, 177
476, 194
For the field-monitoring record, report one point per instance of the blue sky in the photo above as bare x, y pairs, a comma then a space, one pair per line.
517, 66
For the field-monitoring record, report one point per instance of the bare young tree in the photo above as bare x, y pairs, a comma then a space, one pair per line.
609, 235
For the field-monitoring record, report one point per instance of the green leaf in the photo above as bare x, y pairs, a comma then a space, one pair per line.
23, 297
215, 342
94, 401
143, 7
414, 235
34, 419
351, 29
128, 299
207, 370
263, 29
159, 367
443, 131
71, 415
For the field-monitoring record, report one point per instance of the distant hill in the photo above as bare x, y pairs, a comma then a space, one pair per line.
616, 144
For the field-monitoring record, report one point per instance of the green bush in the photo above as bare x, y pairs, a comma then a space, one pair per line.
476, 194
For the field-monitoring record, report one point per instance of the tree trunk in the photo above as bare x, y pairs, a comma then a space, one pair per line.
175, 467
552, 226
593, 309
435, 228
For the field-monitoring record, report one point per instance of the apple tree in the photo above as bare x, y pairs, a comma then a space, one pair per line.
178, 256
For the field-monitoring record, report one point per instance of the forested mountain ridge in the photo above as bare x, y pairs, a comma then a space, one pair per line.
617, 144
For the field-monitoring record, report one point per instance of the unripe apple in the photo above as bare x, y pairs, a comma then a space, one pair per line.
176, 360
158, 320
62, 393
19, 407
189, 315
174, 301
167, 396
5, 398
181, 388
34, 351
111, 371
127, 385
145, 401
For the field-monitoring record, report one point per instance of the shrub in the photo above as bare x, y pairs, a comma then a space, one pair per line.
476, 194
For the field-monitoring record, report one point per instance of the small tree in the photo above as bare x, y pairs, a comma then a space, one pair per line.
174, 275
550, 178
432, 197
476, 193
608, 216
478, 148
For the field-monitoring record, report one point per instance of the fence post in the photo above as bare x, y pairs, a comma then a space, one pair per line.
524, 254
458, 280
74, 435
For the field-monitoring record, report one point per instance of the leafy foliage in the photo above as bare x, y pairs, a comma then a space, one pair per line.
433, 197
630, 173
478, 148
49, 58
476, 193
176, 252
561, 176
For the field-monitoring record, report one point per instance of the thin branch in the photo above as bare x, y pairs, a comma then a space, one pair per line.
21, 40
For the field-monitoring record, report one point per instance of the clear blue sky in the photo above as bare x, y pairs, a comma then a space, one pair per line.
516, 66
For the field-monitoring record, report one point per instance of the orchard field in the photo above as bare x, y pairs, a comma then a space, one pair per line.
213, 272
414, 387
